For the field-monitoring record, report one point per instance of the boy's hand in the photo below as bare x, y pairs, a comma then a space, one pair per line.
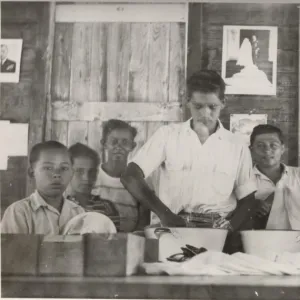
172, 220
264, 209
265, 206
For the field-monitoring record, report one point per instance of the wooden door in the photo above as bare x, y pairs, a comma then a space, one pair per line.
116, 61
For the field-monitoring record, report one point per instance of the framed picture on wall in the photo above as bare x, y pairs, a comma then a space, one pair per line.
11, 51
249, 59
243, 124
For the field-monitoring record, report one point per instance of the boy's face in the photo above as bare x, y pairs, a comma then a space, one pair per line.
119, 143
267, 149
85, 175
205, 108
52, 172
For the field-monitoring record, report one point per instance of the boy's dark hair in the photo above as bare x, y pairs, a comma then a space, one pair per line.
266, 128
206, 81
79, 150
117, 124
40, 147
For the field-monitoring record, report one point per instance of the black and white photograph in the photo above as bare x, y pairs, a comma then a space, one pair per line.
249, 61
150, 149
243, 124
11, 51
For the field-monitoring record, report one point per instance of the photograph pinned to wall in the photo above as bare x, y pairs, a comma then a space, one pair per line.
11, 51
243, 124
249, 59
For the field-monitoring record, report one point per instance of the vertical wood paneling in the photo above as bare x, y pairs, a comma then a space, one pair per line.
60, 131
113, 42
124, 60
77, 132
159, 62
61, 67
177, 62
159, 56
139, 63
118, 58
81, 62
298, 89
95, 135
98, 80
138, 75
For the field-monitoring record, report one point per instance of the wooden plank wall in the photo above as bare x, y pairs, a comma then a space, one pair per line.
23, 102
282, 109
115, 62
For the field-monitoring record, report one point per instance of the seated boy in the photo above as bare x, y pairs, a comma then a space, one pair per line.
118, 141
278, 184
86, 163
45, 211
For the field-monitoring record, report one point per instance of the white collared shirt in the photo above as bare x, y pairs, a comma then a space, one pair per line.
285, 211
197, 177
33, 215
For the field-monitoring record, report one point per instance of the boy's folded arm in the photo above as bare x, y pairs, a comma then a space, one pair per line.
14, 220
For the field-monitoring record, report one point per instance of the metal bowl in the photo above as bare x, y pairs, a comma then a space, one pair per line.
172, 239
263, 243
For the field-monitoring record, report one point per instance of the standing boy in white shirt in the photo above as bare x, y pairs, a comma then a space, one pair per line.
278, 185
204, 168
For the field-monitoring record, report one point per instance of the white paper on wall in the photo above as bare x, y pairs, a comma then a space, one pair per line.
243, 124
4, 149
18, 139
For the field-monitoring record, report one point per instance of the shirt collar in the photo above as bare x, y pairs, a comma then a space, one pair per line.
37, 201
257, 172
218, 132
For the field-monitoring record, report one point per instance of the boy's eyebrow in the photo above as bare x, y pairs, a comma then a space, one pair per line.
52, 163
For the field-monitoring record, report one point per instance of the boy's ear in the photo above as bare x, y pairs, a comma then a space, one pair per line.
30, 172
133, 145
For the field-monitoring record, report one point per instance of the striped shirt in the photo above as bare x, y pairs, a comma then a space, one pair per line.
105, 207
112, 189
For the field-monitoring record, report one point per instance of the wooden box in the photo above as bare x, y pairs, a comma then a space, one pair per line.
61, 256
113, 255
19, 254
152, 250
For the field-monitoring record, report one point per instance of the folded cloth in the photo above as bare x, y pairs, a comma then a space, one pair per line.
218, 263
89, 222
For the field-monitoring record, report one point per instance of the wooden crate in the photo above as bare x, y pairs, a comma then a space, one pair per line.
19, 254
113, 255
61, 256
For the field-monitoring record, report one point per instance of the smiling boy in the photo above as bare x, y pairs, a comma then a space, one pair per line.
45, 211
278, 184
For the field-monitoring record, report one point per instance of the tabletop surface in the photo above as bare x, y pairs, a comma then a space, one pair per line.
155, 287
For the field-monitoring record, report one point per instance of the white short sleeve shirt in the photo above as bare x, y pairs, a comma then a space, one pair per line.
285, 211
197, 177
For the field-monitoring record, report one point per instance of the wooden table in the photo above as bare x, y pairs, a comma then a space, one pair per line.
154, 287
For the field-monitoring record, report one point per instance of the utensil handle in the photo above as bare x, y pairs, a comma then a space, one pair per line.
161, 230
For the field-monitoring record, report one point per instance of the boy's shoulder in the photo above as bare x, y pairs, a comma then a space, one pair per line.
72, 203
22, 205
293, 171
